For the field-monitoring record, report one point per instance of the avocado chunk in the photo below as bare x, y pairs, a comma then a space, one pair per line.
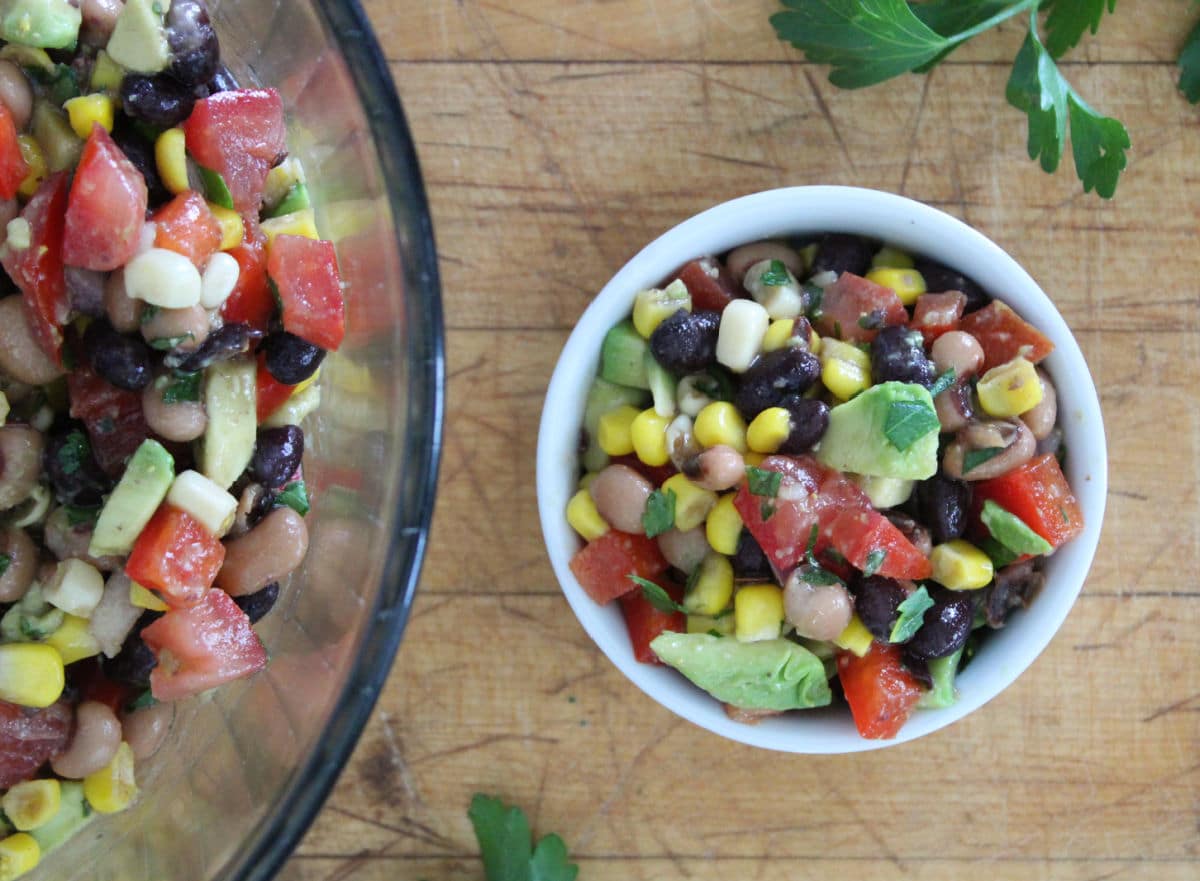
662, 386
773, 674
43, 24
73, 812
890, 430
943, 693
602, 397
229, 398
139, 40
133, 502
623, 356
1011, 531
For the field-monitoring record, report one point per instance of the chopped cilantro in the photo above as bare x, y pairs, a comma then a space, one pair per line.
183, 386
148, 313
507, 848
215, 188
874, 560
295, 496
74, 452
165, 343
907, 422
77, 516
942, 383
656, 596
972, 459
776, 275
766, 509
912, 615
762, 481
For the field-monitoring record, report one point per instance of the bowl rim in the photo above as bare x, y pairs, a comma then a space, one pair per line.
298, 804
894, 219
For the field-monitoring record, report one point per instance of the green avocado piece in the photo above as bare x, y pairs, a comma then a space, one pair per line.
138, 494
943, 693
773, 674
623, 356
73, 812
602, 397
890, 430
1011, 531
43, 24
139, 39
229, 398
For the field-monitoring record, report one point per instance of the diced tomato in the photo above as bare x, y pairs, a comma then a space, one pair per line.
1039, 495
270, 392
13, 167
1004, 334
115, 423
251, 301
656, 474
29, 738
646, 623
936, 314
881, 693
38, 269
711, 285
851, 299
857, 534
176, 556
186, 226
603, 565
239, 134
305, 273
201, 647
106, 208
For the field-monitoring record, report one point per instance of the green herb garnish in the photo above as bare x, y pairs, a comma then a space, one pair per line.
656, 596
5, 562
215, 188
763, 481
165, 343
295, 496
912, 615
659, 515
183, 387
77, 516
776, 275
942, 383
972, 459
907, 422
874, 560
506, 845
74, 452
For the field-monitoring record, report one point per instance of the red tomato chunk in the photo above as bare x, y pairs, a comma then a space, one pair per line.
305, 273
38, 269
113, 417
251, 301
646, 623
710, 284
1039, 495
852, 299
239, 134
603, 565
13, 167
106, 208
1004, 335
29, 738
936, 314
176, 556
186, 226
880, 692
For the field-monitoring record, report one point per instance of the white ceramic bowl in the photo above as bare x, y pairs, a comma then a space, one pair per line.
918, 229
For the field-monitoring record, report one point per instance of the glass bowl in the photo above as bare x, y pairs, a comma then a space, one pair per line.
248, 766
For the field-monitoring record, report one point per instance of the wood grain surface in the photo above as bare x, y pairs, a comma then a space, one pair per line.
557, 138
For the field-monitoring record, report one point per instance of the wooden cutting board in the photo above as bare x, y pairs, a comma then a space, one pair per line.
559, 136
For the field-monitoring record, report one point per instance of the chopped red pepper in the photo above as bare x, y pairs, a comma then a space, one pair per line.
881, 693
1004, 335
176, 556
1039, 495
603, 565
646, 623
13, 167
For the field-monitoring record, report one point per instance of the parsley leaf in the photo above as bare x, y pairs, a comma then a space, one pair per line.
656, 596
77, 516
763, 481
1189, 66
183, 386
215, 188
5, 562
295, 496
907, 422
659, 515
912, 615
1067, 21
506, 845
942, 383
972, 459
814, 296
874, 560
166, 343
1098, 144
776, 275
74, 452
816, 573
766, 510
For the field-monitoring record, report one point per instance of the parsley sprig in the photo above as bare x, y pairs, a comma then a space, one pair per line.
506, 845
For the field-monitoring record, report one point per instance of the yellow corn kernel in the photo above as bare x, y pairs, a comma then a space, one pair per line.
855, 638
720, 423
106, 73
712, 588
845, 368
692, 503
907, 283
583, 517
615, 430
31, 152
723, 527
74, 640
1010, 389
758, 612
298, 223
586, 480
959, 565
769, 430
648, 433
18, 854
808, 254
170, 157
144, 599
753, 458
88, 110
888, 257
32, 803
652, 307
31, 674
778, 334
722, 626
233, 229
814, 342
112, 788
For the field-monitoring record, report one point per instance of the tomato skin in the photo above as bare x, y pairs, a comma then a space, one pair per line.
1039, 494
645, 623
880, 692
305, 273
13, 167
239, 134
270, 393
251, 301
38, 269
1004, 334
106, 208
604, 564
113, 417
856, 533
850, 298
28, 738
936, 314
201, 647
186, 226
710, 284
175, 556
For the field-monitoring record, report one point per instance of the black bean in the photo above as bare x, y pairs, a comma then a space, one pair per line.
140, 152
277, 455
749, 560
840, 253
942, 504
222, 81
160, 100
1013, 588
257, 604
939, 278
946, 626
132, 665
877, 601
74, 474
898, 355
193, 42
810, 418
686, 341
919, 668
290, 359
125, 361
222, 344
775, 376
